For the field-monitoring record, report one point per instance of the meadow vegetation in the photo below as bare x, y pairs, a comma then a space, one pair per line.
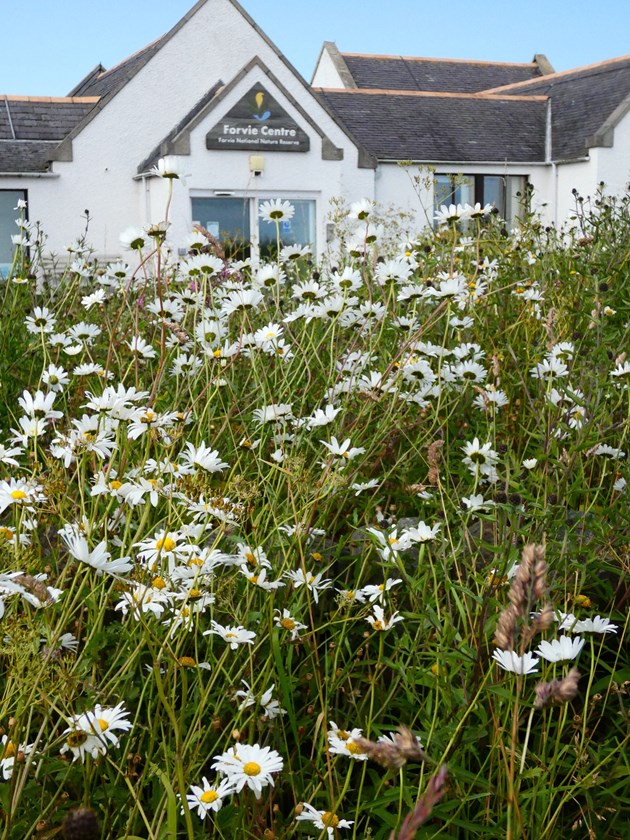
335, 550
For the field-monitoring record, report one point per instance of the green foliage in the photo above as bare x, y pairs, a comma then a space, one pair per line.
445, 354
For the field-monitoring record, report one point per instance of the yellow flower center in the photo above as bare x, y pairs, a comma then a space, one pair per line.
217, 354
9, 750
195, 561
287, 623
250, 558
7, 533
378, 625
330, 820
253, 578
103, 724
115, 485
209, 796
189, 662
343, 735
75, 739
18, 495
158, 583
165, 544
317, 556
194, 594
251, 768
353, 748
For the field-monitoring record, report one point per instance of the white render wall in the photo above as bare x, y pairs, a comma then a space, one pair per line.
613, 165
410, 188
217, 41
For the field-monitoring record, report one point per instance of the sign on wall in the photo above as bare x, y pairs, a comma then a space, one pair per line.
257, 123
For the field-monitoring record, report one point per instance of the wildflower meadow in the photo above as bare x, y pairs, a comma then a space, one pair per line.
329, 549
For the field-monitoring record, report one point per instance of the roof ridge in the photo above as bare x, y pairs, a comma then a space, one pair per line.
448, 60
605, 64
430, 93
133, 55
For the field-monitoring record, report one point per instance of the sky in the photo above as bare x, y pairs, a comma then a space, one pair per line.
52, 45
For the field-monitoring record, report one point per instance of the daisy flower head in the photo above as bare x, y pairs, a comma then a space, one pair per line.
480, 459
344, 742
249, 766
41, 321
599, 624
375, 592
276, 210
312, 582
422, 532
285, 621
206, 798
322, 820
343, 451
55, 378
9, 754
169, 166
563, 649
275, 413
234, 636
203, 456
509, 660
379, 622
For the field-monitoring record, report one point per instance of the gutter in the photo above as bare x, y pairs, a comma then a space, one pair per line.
29, 175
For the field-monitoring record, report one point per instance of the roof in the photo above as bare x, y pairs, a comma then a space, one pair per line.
582, 101
31, 128
395, 72
421, 126
100, 82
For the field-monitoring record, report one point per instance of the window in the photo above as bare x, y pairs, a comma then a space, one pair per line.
228, 220
233, 221
8, 228
300, 230
499, 190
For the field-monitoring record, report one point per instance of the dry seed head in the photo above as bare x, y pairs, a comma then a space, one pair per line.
557, 691
406, 747
434, 456
505, 632
542, 621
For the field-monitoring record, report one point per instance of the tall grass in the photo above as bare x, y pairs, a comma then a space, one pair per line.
395, 429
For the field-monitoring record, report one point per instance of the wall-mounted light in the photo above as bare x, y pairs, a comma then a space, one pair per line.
256, 165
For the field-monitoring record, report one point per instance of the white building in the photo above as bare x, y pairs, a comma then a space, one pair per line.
216, 92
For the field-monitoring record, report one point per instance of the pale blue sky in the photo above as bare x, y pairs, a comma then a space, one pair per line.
49, 45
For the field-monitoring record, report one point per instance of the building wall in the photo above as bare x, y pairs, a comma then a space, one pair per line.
410, 187
217, 41
613, 165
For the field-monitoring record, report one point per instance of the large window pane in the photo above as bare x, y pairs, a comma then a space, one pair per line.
227, 219
300, 230
8, 228
494, 192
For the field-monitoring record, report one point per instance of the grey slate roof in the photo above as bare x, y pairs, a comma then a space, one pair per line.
581, 102
100, 82
31, 128
434, 74
393, 125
